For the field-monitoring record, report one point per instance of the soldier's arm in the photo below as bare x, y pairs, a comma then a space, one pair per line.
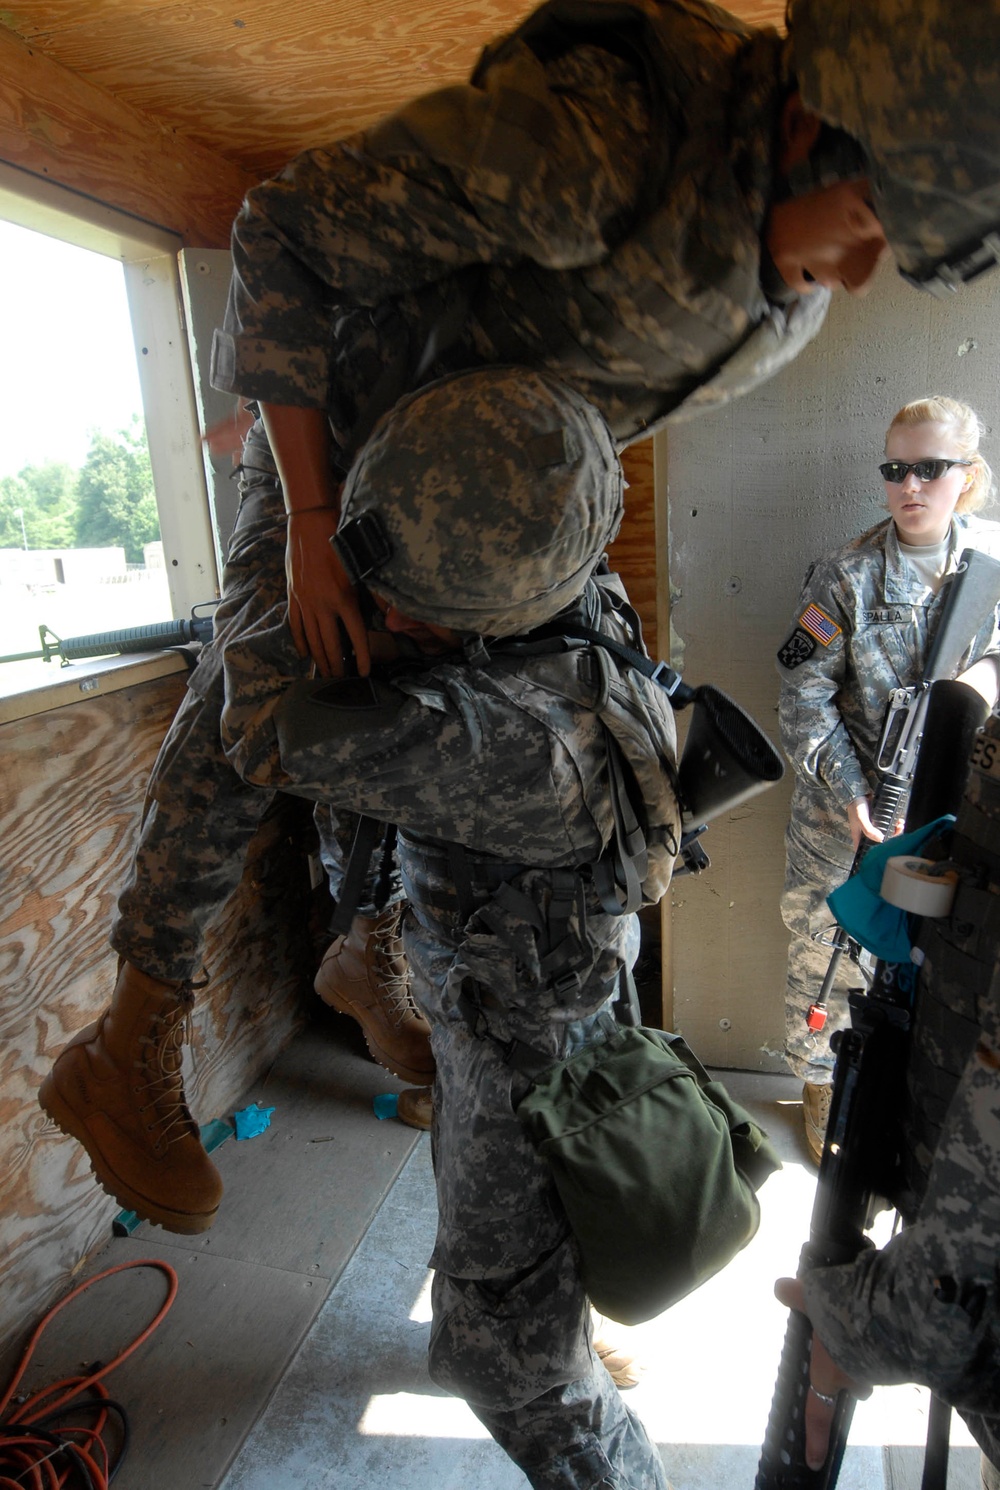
812, 665
321, 598
526, 166
926, 1308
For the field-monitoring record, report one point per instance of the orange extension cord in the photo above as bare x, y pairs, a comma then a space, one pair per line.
39, 1453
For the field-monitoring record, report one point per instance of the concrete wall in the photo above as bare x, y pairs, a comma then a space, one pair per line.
755, 493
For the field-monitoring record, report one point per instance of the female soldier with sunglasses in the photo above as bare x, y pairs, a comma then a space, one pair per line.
862, 627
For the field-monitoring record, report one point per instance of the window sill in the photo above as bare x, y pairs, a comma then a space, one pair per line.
83, 680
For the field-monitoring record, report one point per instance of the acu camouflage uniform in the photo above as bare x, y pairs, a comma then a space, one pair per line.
199, 817
926, 1307
863, 626
508, 760
592, 202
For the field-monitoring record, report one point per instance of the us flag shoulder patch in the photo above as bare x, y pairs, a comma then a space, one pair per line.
819, 625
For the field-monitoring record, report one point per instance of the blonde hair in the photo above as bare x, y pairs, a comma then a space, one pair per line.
965, 428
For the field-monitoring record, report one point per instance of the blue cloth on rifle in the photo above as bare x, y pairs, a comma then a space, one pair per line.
858, 905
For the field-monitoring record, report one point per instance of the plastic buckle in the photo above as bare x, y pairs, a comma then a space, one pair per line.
475, 651
667, 677
566, 983
362, 545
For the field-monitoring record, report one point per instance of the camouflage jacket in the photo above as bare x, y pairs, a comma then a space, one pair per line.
591, 202
926, 1307
862, 626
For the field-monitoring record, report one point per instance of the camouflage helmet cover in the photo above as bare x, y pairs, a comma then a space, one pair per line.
917, 84
483, 502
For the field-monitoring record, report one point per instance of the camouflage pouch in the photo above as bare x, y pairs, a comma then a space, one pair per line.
657, 1167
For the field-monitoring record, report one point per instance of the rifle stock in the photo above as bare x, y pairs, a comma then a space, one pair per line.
859, 1170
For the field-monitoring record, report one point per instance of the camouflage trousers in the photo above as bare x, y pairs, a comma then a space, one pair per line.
511, 1332
951, 1157
199, 816
818, 857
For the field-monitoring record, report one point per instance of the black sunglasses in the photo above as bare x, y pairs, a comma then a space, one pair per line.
924, 470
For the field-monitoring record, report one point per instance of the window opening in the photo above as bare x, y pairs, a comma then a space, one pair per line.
80, 546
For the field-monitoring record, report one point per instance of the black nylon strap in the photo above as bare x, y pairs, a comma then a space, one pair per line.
366, 835
458, 864
679, 692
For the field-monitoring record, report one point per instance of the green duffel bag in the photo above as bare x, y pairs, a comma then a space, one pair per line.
656, 1166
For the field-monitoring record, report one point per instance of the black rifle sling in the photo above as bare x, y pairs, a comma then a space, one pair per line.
671, 681
618, 877
366, 836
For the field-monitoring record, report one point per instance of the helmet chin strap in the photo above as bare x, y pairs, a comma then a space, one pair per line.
947, 277
835, 157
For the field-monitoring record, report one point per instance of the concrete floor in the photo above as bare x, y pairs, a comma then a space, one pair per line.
294, 1356
355, 1408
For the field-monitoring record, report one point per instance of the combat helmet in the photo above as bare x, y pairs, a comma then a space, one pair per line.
483, 502
916, 83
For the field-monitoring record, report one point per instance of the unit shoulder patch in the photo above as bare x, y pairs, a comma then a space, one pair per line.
797, 649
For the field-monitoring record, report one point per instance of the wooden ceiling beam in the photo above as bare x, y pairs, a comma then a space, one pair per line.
56, 125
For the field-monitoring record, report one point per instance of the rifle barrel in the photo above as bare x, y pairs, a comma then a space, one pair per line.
151, 638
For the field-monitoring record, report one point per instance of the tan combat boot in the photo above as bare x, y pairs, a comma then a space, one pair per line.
415, 1107
364, 974
816, 1102
614, 1349
117, 1089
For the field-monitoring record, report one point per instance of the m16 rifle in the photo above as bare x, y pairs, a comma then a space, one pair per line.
860, 1170
973, 593
155, 637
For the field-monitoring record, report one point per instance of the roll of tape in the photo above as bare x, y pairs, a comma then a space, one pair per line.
919, 885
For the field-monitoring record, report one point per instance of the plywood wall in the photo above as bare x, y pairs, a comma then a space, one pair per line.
634, 552
755, 493
71, 788
58, 127
169, 110
257, 82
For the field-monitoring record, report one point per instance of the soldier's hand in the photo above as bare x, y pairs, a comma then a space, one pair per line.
320, 595
860, 820
826, 1382
982, 676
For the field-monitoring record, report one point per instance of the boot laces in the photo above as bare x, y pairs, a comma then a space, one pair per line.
392, 970
162, 1068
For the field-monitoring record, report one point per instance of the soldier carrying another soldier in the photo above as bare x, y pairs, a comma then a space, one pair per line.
649, 200
488, 753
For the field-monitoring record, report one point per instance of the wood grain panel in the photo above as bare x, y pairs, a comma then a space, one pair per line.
71, 789
56, 125
260, 85
64, 847
633, 554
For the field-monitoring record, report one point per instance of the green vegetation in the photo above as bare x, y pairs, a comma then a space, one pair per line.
108, 502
